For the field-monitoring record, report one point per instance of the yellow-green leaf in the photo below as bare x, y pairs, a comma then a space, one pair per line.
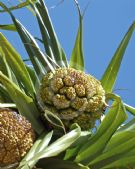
109, 77
59, 145
24, 103
19, 6
77, 58
16, 64
57, 50
97, 143
10, 27
130, 109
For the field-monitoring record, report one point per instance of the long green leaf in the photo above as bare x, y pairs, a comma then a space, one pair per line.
54, 163
77, 58
33, 76
109, 125
24, 103
6, 70
24, 167
32, 151
59, 54
45, 141
9, 27
128, 126
4, 66
40, 144
21, 5
44, 33
40, 149
29, 8
109, 77
130, 109
59, 145
118, 139
125, 162
112, 96
4, 96
17, 65
121, 144
32, 48
76, 146
38, 59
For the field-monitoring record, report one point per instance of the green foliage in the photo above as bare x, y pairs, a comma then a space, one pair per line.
10, 27
97, 143
16, 64
54, 163
24, 103
110, 75
19, 6
45, 22
77, 58
111, 146
41, 149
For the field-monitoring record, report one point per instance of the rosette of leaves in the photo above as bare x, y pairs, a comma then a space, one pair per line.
111, 146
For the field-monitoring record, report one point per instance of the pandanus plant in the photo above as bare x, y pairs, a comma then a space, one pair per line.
48, 110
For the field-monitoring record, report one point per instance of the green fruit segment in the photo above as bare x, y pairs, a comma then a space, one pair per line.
75, 97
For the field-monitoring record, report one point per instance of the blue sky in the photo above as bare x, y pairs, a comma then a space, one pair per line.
105, 23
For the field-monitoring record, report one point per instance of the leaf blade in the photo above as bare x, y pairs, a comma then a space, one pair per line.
9, 27
24, 103
97, 143
59, 145
58, 52
109, 77
16, 64
77, 58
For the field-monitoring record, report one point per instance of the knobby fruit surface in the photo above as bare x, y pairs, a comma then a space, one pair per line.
16, 136
72, 95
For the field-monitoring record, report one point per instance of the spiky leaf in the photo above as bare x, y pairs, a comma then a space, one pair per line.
9, 27
77, 58
16, 64
97, 143
24, 103
109, 77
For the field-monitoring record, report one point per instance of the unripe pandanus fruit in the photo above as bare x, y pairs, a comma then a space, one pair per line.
72, 95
